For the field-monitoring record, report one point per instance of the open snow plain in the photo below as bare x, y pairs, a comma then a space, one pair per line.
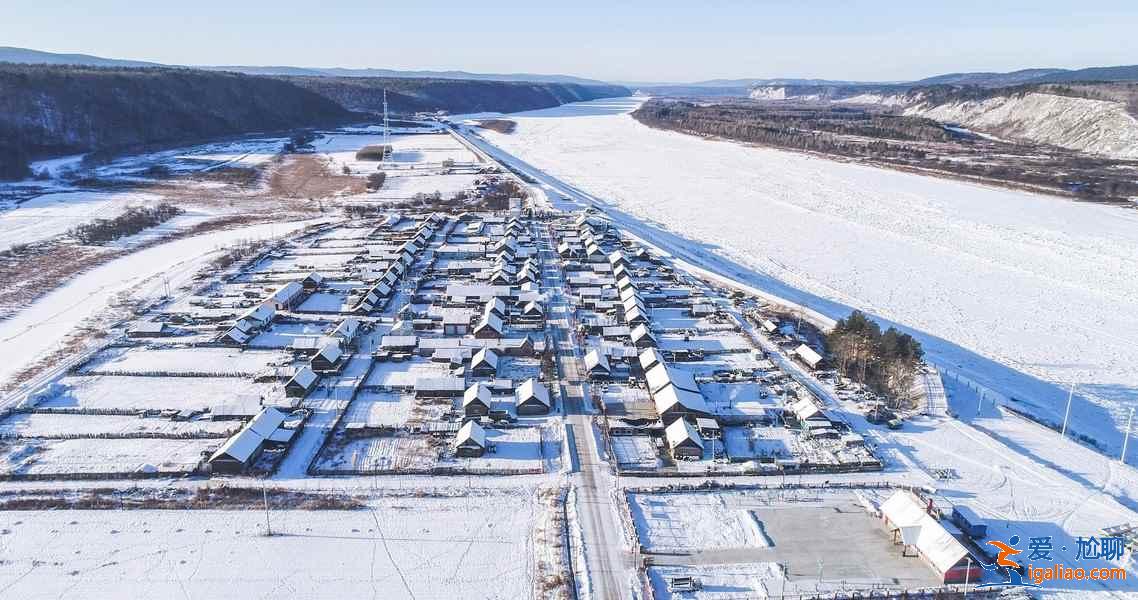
1021, 293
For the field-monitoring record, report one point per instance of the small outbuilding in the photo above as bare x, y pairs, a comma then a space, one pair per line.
808, 356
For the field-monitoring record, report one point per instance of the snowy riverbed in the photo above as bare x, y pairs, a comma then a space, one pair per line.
1000, 283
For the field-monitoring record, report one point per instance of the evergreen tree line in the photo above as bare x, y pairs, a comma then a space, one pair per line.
886, 361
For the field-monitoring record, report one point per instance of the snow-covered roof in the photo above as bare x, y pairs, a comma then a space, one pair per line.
806, 409
649, 358
495, 306
671, 396
262, 313
661, 375
681, 431
245, 443
148, 327
476, 393
596, 359
330, 352
286, 293
240, 446
491, 321
266, 421
347, 329
635, 314
534, 389
305, 377
808, 355
641, 331
487, 356
471, 432
903, 509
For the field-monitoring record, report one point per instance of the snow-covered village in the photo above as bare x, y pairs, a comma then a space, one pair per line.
339, 333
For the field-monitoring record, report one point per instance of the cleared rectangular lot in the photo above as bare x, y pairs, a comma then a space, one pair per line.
220, 361
804, 531
119, 392
87, 455
48, 425
401, 548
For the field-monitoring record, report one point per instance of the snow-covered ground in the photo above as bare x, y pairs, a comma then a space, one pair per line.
40, 327
1021, 292
690, 522
397, 548
50, 215
1096, 126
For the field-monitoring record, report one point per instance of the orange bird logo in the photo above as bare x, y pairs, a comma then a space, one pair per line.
1002, 559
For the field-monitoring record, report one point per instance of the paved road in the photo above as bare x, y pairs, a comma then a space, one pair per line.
607, 559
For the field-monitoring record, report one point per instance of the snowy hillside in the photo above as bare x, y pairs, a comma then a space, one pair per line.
1101, 127
1095, 126
998, 283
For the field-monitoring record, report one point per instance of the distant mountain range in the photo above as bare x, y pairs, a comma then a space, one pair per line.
981, 79
713, 86
26, 55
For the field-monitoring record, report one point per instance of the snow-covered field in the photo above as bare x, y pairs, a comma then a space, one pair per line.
97, 455
181, 393
1021, 292
38, 328
413, 168
220, 361
415, 548
50, 215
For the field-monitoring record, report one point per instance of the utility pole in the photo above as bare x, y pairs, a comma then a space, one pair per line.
386, 127
1126, 440
966, 574
265, 493
1070, 396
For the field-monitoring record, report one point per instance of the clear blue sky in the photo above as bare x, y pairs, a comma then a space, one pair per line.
613, 40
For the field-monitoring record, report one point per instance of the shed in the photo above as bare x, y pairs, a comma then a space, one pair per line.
439, 387
909, 523
808, 356
143, 329
969, 521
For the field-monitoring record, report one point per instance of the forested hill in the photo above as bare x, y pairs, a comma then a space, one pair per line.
53, 110
452, 95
